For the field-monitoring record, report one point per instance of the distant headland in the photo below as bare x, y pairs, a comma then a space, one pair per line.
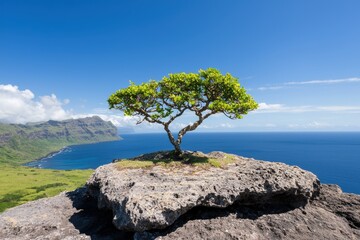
20, 143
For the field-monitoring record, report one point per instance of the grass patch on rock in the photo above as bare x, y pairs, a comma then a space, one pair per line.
197, 161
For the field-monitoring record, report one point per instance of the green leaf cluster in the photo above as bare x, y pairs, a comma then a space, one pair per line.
207, 91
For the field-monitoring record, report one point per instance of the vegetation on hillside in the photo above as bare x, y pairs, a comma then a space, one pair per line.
24, 143
19, 184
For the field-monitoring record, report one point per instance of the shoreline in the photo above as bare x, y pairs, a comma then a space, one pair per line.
54, 153
49, 155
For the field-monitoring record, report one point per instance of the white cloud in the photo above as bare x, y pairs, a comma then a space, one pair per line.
328, 81
213, 126
226, 125
20, 106
270, 88
117, 120
270, 107
339, 108
311, 125
281, 108
325, 81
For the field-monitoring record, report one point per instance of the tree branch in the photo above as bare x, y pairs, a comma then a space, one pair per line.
177, 115
148, 117
192, 127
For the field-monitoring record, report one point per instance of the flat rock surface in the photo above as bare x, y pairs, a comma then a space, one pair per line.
154, 198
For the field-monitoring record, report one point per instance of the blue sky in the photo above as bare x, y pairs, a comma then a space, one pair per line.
299, 59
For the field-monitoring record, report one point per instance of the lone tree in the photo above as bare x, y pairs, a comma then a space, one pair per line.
205, 93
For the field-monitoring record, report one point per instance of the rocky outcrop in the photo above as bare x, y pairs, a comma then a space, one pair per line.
247, 199
312, 221
145, 199
71, 215
344, 205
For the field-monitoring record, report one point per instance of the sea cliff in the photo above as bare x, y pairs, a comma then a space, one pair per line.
21, 143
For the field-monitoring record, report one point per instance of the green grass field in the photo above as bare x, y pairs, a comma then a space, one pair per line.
20, 184
24, 143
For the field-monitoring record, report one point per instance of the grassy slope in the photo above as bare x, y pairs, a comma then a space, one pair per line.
19, 184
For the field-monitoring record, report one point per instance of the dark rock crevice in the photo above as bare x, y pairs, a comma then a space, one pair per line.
252, 212
91, 221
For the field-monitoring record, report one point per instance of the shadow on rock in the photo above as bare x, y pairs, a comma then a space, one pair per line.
238, 210
91, 221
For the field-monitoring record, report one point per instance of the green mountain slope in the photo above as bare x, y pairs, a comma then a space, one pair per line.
23, 143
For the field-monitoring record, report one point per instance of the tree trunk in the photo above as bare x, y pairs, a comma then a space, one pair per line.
177, 152
176, 144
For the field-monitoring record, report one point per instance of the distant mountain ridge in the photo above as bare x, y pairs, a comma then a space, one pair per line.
21, 143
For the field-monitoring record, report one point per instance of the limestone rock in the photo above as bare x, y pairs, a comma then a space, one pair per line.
145, 199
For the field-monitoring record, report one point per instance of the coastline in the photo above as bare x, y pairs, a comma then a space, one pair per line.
312, 151
49, 155
32, 163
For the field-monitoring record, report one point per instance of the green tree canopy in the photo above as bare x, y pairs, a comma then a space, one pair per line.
205, 93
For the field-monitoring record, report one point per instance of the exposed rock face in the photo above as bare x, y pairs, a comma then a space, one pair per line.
313, 221
345, 205
72, 215
281, 202
145, 199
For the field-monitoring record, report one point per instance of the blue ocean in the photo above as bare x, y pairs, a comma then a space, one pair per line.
334, 157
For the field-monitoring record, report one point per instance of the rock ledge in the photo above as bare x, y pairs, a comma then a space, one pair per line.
145, 199
247, 199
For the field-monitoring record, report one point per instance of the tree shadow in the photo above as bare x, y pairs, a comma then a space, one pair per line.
165, 158
170, 156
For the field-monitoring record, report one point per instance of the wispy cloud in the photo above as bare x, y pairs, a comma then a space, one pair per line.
329, 81
117, 120
281, 108
310, 125
270, 107
270, 88
323, 82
